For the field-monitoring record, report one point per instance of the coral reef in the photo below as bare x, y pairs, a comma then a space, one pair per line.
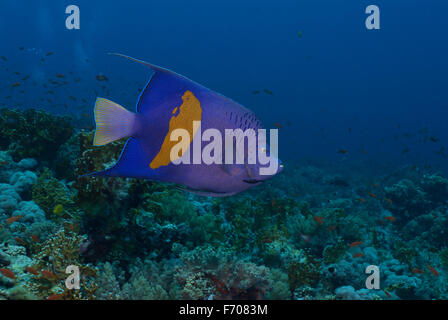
33, 134
308, 234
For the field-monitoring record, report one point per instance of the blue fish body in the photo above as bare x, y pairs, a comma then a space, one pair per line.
165, 96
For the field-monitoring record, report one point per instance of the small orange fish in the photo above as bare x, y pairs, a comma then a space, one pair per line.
433, 271
372, 195
15, 84
101, 77
388, 200
362, 200
356, 243
56, 297
278, 125
358, 255
342, 151
381, 221
19, 241
60, 75
390, 218
387, 293
331, 228
13, 219
375, 185
48, 274
35, 238
32, 271
418, 271
318, 219
8, 273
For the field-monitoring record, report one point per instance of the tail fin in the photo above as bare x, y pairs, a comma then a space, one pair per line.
113, 122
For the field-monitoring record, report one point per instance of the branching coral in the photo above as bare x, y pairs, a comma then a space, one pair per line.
222, 274
53, 257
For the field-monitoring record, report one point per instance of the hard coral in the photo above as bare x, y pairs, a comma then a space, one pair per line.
50, 192
53, 257
92, 159
221, 273
32, 133
407, 198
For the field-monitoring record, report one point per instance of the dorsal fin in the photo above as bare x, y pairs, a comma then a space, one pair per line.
165, 88
152, 66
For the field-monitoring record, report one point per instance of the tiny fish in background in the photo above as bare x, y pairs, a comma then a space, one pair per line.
8, 273
101, 77
13, 219
434, 139
278, 125
58, 209
318, 219
417, 271
32, 271
48, 274
390, 218
433, 271
356, 243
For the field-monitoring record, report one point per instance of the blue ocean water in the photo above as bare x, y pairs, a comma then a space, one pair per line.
338, 75
343, 96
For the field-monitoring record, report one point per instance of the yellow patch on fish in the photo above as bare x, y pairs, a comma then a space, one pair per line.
189, 111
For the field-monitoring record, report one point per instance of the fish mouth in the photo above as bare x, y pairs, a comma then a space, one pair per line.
253, 181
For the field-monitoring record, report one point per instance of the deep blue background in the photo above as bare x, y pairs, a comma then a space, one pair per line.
339, 86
